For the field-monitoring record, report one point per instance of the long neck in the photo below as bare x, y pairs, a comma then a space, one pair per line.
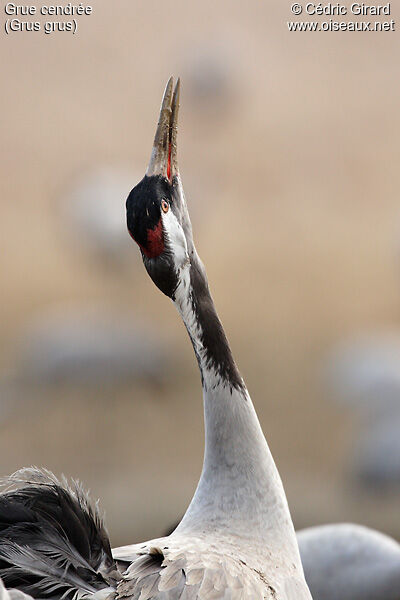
240, 490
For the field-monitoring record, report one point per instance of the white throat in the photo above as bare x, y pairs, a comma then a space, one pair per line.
176, 239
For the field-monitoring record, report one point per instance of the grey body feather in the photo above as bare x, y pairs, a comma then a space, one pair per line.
182, 568
178, 567
350, 562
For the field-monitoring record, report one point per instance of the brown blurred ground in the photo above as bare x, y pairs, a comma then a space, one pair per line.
295, 184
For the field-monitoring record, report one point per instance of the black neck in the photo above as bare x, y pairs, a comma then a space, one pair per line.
208, 337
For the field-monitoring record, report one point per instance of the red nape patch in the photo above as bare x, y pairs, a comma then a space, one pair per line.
155, 241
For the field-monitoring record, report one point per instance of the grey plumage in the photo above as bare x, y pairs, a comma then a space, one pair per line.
183, 568
350, 562
173, 568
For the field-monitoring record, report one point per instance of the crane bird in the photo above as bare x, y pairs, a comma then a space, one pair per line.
344, 561
75, 344
236, 539
95, 218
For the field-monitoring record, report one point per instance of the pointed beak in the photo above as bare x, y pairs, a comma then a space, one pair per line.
163, 159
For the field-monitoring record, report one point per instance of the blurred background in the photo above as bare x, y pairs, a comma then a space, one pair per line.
288, 148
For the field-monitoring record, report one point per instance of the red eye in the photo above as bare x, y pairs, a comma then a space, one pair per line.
164, 205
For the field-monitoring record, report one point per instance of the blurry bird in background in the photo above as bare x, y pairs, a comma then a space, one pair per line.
376, 459
364, 374
364, 371
94, 345
81, 347
210, 79
92, 210
344, 561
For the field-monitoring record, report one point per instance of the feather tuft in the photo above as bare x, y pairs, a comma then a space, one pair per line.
53, 543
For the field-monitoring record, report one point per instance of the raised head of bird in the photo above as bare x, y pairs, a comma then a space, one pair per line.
157, 216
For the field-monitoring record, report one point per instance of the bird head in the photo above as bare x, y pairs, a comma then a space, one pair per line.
157, 216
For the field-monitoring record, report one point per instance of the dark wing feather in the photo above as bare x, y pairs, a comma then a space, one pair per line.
12, 594
53, 543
